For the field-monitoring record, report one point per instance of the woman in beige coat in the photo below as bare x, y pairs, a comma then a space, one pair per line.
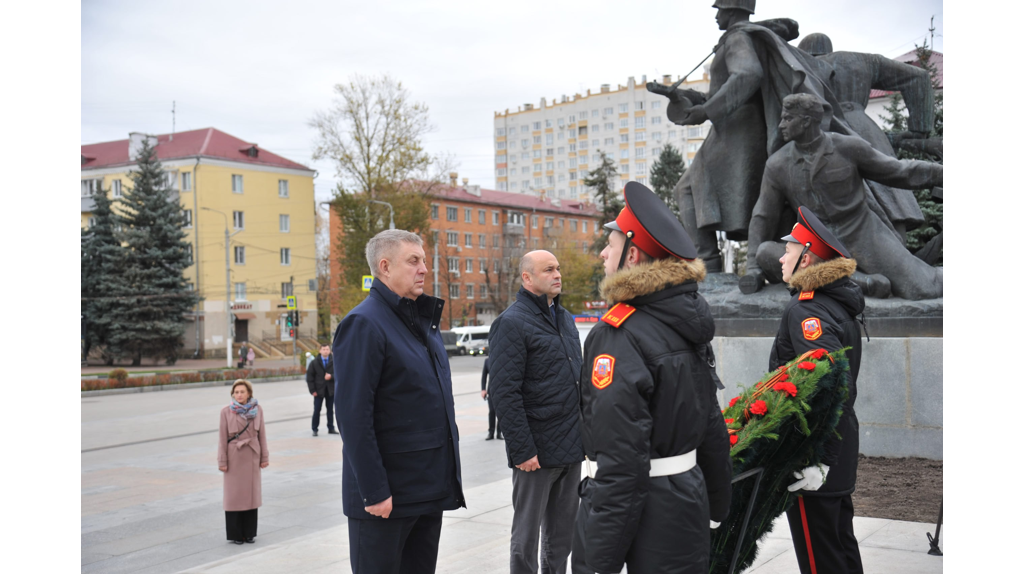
241, 453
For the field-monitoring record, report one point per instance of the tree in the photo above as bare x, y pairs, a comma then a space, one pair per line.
152, 297
896, 123
324, 293
604, 181
102, 271
579, 269
373, 133
665, 174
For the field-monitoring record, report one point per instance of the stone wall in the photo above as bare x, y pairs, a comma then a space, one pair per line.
899, 390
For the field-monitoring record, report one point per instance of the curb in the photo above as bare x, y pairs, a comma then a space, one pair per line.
154, 388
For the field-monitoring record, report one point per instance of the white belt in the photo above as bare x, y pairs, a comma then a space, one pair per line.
659, 466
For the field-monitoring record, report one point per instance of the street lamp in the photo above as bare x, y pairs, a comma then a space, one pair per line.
392, 226
229, 350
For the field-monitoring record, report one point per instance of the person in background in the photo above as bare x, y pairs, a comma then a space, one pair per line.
251, 356
492, 425
319, 379
241, 454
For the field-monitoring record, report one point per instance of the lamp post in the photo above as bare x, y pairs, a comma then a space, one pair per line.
229, 350
392, 225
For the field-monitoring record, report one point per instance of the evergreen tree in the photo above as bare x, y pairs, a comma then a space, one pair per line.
665, 174
896, 122
152, 298
102, 269
605, 182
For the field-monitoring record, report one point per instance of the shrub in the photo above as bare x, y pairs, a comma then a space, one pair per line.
120, 375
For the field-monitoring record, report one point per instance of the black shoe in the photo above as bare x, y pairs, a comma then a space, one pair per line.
238, 542
332, 431
251, 540
490, 435
314, 433
500, 436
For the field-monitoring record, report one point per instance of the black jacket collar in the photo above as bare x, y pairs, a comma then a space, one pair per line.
538, 303
425, 305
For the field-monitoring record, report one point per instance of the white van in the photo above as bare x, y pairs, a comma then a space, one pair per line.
471, 338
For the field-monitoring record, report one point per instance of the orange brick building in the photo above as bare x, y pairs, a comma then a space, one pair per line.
476, 239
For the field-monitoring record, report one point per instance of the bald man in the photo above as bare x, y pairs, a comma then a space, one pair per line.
535, 367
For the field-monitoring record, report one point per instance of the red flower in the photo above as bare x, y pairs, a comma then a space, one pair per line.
785, 387
733, 439
733, 401
728, 421
784, 377
759, 407
818, 354
806, 365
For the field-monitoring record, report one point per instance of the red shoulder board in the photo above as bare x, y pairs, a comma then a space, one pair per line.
806, 295
618, 314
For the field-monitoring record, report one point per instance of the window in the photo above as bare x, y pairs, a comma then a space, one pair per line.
286, 256
453, 213
495, 240
561, 150
609, 141
282, 188
656, 152
640, 122
583, 159
188, 218
435, 236
453, 264
572, 225
239, 219
656, 105
236, 184
536, 153
550, 165
640, 152
469, 291
641, 167
500, 159
536, 126
624, 168
499, 131
595, 128
469, 265
537, 168
287, 289
496, 265
584, 244
512, 131
609, 127
641, 180
549, 222
657, 136
584, 226
481, 217
515, 218
239, 255
551, 180
533, 221
469, 240
239, 291
538, 181
483, 291
186, 181
481, 240
572, 162
91, 186
526, 143
550, 151
453, 238
561, 177
693, 132
656, 120
468, 215
116, 187
624, 154
572, 147
671, 134
639, 106
640, 136
536, 140
535, 242
483, 265
189, 254
561, 222
693, 147
583, 131
284, 223
623, 138
623, 108
433, 211
609, 111
572, 133
624, 123
453, 291
572, 176
547, 123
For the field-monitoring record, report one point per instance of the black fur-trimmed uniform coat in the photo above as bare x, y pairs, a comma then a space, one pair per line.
826, 319
661, 402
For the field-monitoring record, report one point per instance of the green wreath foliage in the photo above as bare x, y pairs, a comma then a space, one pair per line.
788, 437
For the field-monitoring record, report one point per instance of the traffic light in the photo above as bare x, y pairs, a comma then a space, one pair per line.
288, 321
298, 319
291, 333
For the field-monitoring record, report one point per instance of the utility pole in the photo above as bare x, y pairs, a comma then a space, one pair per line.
229, 350
295, 322
173, 119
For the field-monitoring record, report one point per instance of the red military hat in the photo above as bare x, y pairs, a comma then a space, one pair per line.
814, 235
651, 225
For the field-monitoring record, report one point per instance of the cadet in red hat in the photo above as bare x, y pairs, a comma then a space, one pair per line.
658, 466
821, 315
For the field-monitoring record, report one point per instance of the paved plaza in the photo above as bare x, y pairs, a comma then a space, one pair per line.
151, 492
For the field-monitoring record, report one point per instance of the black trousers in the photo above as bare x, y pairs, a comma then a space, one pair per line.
394, 545
828, 522
319, 400
241, 524
492, 421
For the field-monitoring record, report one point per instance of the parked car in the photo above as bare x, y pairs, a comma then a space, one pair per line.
450, 339
477, 347
470, 334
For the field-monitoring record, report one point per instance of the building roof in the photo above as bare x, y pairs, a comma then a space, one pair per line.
520, 201
911, 58
206, 142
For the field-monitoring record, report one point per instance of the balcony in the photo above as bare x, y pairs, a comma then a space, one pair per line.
514, 229
554, 232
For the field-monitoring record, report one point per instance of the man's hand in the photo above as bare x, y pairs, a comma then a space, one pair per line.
695, 117
314, 393
811, 478
382, 509
530, 465
327, 377
264, 464
483, 395
223, 468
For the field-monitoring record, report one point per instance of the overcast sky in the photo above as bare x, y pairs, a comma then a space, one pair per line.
258, 70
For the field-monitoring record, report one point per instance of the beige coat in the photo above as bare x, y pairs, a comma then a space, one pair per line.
242, 488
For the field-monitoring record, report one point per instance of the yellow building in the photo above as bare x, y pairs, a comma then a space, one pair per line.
266, 203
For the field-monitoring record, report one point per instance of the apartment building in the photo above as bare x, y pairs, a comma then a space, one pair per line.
263, 200
476, 238
552, 147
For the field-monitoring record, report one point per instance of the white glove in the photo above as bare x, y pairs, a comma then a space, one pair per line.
715, 525
811, 478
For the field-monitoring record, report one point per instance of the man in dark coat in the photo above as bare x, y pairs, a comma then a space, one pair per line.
320, 380
821, 315
401, 465
658, 466
492, 423
535, 369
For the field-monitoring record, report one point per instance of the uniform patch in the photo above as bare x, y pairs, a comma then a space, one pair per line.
811, 328
604, 370
806, 295
618, 314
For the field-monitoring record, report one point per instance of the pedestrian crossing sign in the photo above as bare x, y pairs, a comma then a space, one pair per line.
367, 282
291, 303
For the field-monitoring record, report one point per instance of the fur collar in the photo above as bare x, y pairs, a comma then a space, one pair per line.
820, 274
647, 278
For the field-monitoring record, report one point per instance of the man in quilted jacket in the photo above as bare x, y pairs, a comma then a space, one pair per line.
535, 369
